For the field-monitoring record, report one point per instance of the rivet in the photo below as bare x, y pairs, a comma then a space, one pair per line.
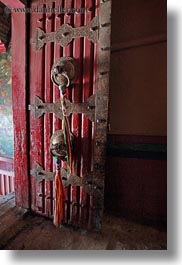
89, 9
105, 25
105, 49
103, 1
94, 28
40, 20
65, 34
90, 107
102, 73
50, 17
101, 120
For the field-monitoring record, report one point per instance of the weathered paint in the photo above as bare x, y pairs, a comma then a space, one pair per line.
79, 205
19, 95
13, 3
37, 87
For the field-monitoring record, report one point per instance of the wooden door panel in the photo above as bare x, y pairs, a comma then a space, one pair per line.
83, 208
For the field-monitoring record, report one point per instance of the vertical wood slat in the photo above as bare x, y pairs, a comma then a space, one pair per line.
9, 184
95, 74
81, 193
68, 52
76, 118
93, 80
19, 95
6, 176
43, 88
6, 183
101, 116
2, 184
87, 90
48, 92
36, 126
58, 52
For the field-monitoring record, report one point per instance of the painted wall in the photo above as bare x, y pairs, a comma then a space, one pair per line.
138, 95
6, 115
136, 179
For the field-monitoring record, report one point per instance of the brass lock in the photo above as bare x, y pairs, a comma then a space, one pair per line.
64, 71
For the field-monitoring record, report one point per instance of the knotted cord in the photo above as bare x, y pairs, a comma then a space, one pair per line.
60, 200
66, 128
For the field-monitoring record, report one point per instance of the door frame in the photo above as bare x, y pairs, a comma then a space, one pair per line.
19, 103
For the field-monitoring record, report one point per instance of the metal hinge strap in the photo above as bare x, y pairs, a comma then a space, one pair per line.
86, 182
64, 35
87, 108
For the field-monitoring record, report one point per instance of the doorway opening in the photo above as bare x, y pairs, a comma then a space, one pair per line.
6, 113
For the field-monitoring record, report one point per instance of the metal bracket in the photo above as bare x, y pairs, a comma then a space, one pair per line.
64, 35
86, 182
40, 174
87, 108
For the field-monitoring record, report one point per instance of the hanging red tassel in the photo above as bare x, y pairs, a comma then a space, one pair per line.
59, 213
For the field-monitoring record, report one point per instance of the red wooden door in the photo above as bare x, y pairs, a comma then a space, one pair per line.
84, 203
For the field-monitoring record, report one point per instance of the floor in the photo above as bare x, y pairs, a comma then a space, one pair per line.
20, 230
